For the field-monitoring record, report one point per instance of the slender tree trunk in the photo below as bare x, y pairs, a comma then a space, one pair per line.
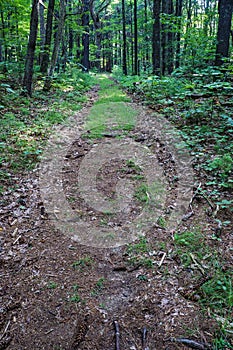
178, 34
224, 27
85, 36
4, 36
42, 30
124, 52
56, 47
70, 32
98, 34
48, 36
156, 60
170, 40
147, 58
136, 71
131, 37
164, 30
42, 25
28, 73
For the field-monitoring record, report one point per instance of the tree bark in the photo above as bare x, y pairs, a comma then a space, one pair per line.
136, 70
42, 30
124, 52
56, 47
178, 34
170, 41
85, 36
156, 60
48, 36
225, 9
28, 73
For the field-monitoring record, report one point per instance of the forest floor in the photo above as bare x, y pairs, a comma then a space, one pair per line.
65, 289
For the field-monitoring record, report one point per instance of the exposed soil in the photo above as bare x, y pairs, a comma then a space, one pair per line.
58, 294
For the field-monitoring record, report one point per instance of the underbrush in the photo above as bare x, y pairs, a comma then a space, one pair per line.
26, 123
200, 106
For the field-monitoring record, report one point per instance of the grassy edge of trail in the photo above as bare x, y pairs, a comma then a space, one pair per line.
26, 123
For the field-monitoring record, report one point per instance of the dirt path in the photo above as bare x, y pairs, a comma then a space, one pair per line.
60, 294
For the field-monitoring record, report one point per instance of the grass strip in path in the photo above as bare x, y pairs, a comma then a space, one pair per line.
111, 111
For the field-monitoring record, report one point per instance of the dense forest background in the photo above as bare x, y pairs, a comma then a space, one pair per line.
139, 36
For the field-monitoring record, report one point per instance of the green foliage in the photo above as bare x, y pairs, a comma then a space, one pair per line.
52, 285
99, 286
83, 262
223, 164
25, 124
139, 253
142, 194
190, 242
140, 247
218, 292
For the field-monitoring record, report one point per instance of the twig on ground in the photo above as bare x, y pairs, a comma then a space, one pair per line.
5, 330
197, 263
162, 260
191, 343
144, 336
117, 334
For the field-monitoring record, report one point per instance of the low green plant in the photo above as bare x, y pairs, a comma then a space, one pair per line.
75, 298
190, 243
142, 193
139, 247
83, 263
223, 164
221, 342
161, 221
52, 285
217, 293
99, 286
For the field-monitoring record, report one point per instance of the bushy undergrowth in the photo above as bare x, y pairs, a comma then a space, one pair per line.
200, 105
26, 123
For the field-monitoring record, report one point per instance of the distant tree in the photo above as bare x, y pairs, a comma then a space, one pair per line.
225, 9
167, 37
57, 42
85, 36
28, 73
124, 52
156, 42
48, 36
135, 39
42, 26
179, 4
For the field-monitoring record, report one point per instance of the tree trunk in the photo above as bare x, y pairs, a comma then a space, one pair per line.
85, 36
70, 32
178, 34
164, 30
48, 36
135, 39
56, 47
98, 34
28, 73
156, 60
225, 8
3, 37
124, 52
170, 40
147, 58
42, 30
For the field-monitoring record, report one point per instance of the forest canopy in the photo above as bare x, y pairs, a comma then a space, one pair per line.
137, 36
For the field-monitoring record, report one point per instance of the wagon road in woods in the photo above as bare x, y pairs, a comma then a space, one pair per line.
102, 245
